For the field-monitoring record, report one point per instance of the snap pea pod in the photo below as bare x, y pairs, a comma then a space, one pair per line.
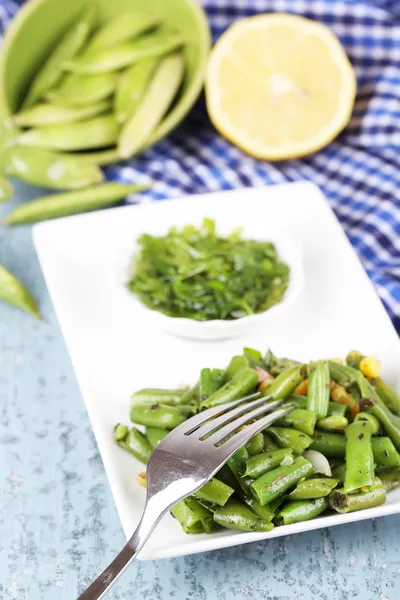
191, 515
300, 419
237, 464
319, 388
262, 463
162, 416
235, 515
43, 115
284, 384
215, 491
157, 396
301, 510
359, 456
313, 488
71, 203
83, 90
387, 394
132, 87
124, 54
242, 383
134, 442
333, 407
210, 382
266, 512
6, 190
332, 423
390, 479
390, 422
236, 364
344, 503
155, 435
329, 444
50, 169
255, 445
98, 132
290, 438
274, 483
156, 100
70, 44
373, 421
15, 293
385, 454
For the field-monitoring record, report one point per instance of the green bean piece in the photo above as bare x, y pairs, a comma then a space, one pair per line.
191, 396
254, 357
332, 423
387, 394
135, 443
215, 491
266, 512
158, 97
120, 432
336, 409
390, 479
390, 422
255, 445
190, 515
269, 444
274, 483
124, 54
385, 454
162, 416
236, 364
329, 444
241, 384
69, 45
71, 203
275, 365
258, 465
319, 388
373, 421
291, 438
313, 488
300, 419
132, 87
359, 456
125, 26
16, 294
43, 115
155, 435
298, 401
344, 503
157, 396
210, 382
43, 168
283, 385
83, 90
235, 515
103, 157
339, 472
98, 132
6, 190
301, 510
237, 464
226, 475
342, 374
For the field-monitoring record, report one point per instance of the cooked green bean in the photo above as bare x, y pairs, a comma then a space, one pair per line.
120, 432
6, 190
385, 454
162, 416
390, 422
83, 90
102, 157
156, 100
359, 456
274, 483
215, 491
157, 396
266, 512
269, 444
373, 421
262, 463
333, 423
241, 384
313, 488
301, 510
390, 479
134, 442
344, 503
192, 516
15, 293
69, 45
132, 87
255, 445
339, 472
237, 464
235, 515
191, 396
300, 419
236, 364
329, 444
210, 382
283, 385
333, 407
226, 475
43, 115
290, 438
342, 374
354, 358
155, 435
319, 388
71, 203
254, 357
387, 394
98, 132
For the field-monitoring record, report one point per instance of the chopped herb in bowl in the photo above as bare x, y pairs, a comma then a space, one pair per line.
196, 274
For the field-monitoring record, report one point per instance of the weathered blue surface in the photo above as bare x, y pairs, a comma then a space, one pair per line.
59, 523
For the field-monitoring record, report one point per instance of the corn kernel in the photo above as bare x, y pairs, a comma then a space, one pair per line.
141, 479
370, 367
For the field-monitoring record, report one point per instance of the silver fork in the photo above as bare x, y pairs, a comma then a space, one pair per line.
183, 462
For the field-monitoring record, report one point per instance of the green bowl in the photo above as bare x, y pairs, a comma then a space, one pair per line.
39, 24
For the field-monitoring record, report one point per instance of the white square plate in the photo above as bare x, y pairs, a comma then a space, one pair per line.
115, 353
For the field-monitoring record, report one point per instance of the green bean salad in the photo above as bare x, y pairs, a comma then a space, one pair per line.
336, 451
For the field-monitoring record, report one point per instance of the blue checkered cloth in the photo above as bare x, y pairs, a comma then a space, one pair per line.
359, 172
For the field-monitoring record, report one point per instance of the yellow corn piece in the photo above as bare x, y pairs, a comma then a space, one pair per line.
141, 479
370, 367
302, 388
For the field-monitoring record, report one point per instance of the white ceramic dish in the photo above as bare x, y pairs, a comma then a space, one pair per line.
113, 355
288, 251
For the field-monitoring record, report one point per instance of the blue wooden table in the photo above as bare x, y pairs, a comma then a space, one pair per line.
59, 525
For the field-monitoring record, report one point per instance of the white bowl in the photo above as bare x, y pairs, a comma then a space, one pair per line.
288, 251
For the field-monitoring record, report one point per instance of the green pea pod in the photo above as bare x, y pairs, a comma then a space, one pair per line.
132, 87
161, 416
157, 99
344, 503
6, 190
43, 115
236, 364
390, 422
98, 132
332, 423
125, 26
70, 44
300, 419
385, 454
329, 444
235, 515
359, 456
390, 479
242, 383
283, 385
301, 510
255, 445
215, 491
387, 394
275, 483
290, 438
83, 90
313, 488
15, 293
50, 169
319, 388
258, 465
155, 435
135, 443
373, 421
157, 396
124, 54
71, 203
